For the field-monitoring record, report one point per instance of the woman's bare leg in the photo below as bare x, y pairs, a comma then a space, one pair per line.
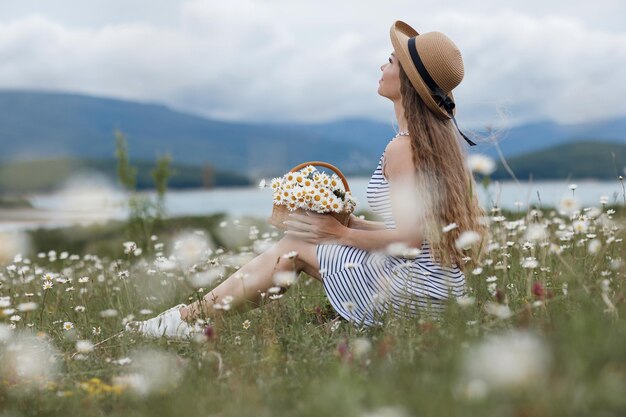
256, 277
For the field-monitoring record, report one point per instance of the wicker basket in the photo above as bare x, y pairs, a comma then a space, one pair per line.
281, 212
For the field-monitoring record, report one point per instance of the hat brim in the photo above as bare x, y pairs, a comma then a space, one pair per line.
400, 33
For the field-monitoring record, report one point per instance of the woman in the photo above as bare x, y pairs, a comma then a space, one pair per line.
422, 189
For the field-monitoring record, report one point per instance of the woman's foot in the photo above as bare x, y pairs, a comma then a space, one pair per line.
167, 324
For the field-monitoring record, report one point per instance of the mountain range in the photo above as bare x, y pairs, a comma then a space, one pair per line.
56, 125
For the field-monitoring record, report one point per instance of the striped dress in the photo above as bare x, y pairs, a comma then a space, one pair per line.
363, 286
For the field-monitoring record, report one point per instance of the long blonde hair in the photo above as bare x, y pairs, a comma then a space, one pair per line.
445, 181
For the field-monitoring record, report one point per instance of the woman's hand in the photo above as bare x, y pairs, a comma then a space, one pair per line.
315, 228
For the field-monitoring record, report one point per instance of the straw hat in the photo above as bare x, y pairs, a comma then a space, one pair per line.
434, 65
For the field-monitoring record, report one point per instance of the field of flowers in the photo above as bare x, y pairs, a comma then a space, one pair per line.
541, 331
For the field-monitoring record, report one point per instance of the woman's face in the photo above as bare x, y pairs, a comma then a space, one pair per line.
389, 84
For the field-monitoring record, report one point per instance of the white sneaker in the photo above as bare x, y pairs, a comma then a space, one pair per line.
168, 324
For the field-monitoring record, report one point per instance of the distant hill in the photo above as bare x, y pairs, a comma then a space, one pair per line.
51, 125
47, 174
577, 160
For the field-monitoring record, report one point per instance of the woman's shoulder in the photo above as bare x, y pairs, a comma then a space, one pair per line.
398, 145
399, 155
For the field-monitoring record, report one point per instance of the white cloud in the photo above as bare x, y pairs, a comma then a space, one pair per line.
282, 61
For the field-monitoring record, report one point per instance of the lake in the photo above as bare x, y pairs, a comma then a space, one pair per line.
101, 202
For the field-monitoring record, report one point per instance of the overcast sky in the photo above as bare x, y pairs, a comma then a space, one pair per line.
275, 60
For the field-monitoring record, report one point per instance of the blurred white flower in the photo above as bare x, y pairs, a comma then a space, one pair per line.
84, 346
569, 205
481, 164
512, 360
580, 226
29, 360
29, 306
360, 347
151, 371
467, 239
111, 312
68, 325
387, 411
129, 247
402, 250
449, 227
284, 278
191, 248
530, 263
501, 311
12, 244
536, 232
594, 246
465, 301
262, 183
206, 278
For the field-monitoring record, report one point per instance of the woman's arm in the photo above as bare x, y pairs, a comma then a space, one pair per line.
378, 239
362, 224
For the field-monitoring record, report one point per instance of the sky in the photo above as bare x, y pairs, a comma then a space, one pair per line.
314, 61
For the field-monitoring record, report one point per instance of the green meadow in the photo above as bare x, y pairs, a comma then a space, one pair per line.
540, 333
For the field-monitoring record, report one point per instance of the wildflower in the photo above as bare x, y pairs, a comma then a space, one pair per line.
30, 306
536, 232
538, 290
237, 340
481, 163
580, 226
262, 184
568, 205
285, 278
123, 274
84, 346
467, 239
47, 285
477, 271
79, 309
573, 187
594, 246
15, 318
96, 331
83, 280
465, 301
246, 324
530, 263
501, 311
111, 312
129, 247
510, 360
68, 325
361, 347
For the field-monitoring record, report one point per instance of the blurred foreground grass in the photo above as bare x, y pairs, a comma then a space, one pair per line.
541, 332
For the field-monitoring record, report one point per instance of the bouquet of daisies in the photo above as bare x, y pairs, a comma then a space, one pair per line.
310, 189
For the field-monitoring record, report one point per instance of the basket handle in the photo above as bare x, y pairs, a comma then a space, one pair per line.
325, 165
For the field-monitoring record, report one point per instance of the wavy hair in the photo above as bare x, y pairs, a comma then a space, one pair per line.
447, 188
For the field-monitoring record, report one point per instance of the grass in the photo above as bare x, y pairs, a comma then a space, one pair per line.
560, 351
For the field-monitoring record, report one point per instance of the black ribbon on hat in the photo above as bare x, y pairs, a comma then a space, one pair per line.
437, 93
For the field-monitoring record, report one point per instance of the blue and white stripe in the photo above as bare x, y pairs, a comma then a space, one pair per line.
362, 285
